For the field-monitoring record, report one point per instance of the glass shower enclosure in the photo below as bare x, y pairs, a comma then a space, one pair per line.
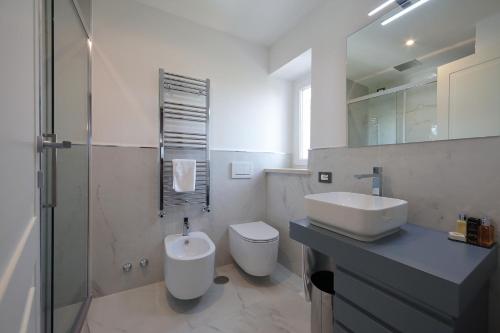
65, 151
396, 116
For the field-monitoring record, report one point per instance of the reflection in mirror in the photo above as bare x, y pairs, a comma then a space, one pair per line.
84, 9
425, 70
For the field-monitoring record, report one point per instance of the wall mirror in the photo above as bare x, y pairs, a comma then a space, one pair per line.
425, 70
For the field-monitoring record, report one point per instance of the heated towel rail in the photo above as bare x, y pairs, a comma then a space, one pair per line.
184, 133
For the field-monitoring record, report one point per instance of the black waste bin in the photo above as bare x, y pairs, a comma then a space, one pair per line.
322, 302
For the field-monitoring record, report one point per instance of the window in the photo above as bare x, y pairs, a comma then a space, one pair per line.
303, 127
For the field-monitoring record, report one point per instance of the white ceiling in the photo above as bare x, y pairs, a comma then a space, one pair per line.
259, 21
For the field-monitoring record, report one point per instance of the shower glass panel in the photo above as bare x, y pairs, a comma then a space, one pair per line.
66, 201
373, 121
419, 113
408, 115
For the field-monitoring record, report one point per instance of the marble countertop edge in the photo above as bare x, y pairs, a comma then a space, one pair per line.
290, 171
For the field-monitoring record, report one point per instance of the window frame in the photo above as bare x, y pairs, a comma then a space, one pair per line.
298, 86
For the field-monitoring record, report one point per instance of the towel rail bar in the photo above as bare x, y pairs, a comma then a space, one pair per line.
185, 105
186, 114
165, 75
184, 147
176, 143
187, 85
193, 83
185, 109
185, 89
184, 133
195, 115
185, 138
184, 118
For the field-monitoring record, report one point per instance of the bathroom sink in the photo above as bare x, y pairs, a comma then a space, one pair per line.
359, 216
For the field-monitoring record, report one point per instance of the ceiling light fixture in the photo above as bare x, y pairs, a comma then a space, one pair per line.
382, 6
410, 42
404, 11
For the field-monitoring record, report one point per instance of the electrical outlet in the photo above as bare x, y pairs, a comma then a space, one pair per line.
325, 177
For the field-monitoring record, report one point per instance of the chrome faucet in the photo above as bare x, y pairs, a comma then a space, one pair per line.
185, 227
376, 180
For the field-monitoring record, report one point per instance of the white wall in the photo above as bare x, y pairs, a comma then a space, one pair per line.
325, 31
250, 110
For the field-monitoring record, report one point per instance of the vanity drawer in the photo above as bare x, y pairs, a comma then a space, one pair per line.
386, 307
355, 320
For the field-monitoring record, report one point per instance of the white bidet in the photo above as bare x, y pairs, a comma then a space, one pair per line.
189, 264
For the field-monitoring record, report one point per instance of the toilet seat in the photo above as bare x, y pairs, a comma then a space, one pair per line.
256, 232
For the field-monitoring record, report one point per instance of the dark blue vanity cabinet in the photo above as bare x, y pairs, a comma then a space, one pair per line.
415, 281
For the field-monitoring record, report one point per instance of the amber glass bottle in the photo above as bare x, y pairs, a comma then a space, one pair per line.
486, 233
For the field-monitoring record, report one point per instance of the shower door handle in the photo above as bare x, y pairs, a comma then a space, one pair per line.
53, 145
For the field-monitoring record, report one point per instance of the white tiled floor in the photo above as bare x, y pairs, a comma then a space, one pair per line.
245, 304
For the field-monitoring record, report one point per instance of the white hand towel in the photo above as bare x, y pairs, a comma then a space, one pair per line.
184, 175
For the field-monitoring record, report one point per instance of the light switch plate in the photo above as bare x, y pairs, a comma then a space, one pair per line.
241, 170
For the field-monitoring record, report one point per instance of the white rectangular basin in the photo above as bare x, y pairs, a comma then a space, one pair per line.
359, 216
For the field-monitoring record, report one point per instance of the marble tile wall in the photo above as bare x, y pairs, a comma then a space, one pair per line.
124, 208
438, 179
285, 194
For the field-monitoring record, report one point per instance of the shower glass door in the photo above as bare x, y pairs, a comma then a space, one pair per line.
65, 199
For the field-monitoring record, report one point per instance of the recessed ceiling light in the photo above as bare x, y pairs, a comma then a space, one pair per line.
405, 11
379, 8
410, 42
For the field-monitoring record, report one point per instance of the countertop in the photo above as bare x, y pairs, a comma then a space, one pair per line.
417, 261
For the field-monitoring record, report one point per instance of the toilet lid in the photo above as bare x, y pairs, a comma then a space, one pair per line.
256, 231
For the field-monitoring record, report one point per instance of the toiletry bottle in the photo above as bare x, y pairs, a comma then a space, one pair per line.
473, 225
486, 233
461, 227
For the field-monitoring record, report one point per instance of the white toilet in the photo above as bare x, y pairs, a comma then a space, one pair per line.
254, 247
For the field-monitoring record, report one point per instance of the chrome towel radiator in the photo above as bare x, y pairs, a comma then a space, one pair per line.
184, 133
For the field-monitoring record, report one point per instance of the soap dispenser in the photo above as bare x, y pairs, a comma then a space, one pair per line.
461, 227
473, 226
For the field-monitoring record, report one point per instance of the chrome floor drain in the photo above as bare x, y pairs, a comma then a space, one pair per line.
221, 279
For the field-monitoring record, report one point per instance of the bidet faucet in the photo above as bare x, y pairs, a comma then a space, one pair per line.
376, 180
185, 227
